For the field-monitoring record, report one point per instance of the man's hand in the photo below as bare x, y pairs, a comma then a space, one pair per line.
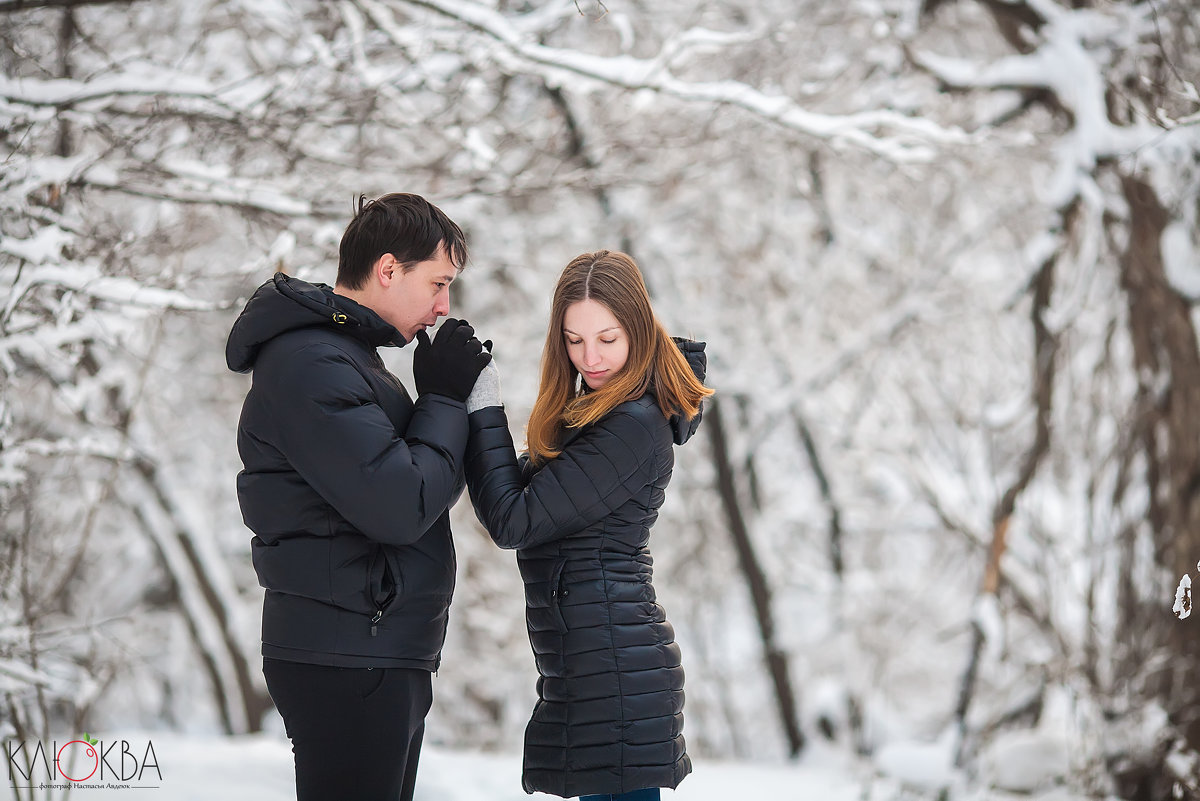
450, 364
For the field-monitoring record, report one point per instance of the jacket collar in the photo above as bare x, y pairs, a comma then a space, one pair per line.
285, 304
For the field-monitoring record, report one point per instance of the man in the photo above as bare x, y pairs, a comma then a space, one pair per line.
346, 486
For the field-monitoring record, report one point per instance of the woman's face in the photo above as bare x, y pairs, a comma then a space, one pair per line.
596, 343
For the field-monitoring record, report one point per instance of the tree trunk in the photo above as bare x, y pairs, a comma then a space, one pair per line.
1167, 363
1044, 350
756, 578
241, 702
837, 560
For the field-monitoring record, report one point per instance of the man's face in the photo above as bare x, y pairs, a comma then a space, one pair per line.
415, 299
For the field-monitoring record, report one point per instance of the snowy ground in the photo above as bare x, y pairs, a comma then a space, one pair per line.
259, 768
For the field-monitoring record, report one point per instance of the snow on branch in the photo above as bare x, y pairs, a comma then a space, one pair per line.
87, 280
909, 141
13, 459
14, 675
46, 244
1183, 598
1191, 119
253, 194
23, 176
41, 343
63, 92
703, 40
1068, 62
1182, 122
181, 183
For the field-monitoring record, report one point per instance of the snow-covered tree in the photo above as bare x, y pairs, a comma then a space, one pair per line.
944, 255
1108, 88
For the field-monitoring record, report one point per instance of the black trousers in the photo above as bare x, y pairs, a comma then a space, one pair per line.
356, 732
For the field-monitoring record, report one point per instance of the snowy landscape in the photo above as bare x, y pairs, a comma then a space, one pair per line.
258, 768
936, 536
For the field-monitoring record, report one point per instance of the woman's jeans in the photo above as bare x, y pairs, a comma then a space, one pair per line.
649, 794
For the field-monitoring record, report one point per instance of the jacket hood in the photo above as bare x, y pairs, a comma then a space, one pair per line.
285, 304
681, 429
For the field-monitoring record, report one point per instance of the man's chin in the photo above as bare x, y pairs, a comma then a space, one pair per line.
411, 333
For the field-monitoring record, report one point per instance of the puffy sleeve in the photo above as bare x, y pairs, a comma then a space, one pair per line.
595, 474
390, 486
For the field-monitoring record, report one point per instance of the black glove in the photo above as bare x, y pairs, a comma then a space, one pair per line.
450, 363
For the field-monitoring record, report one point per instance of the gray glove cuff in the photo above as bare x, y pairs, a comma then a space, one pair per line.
486, 391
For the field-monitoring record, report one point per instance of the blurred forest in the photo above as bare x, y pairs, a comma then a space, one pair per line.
944, 253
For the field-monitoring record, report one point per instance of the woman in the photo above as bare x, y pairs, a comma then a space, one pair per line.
578, 508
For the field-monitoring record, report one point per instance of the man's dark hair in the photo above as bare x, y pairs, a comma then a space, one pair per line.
407, 226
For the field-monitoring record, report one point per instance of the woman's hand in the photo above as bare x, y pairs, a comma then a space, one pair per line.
486, 391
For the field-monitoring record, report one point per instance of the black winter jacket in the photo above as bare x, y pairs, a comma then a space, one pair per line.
346, 484
609, 716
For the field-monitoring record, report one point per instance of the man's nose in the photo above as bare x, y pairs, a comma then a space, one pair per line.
442, 307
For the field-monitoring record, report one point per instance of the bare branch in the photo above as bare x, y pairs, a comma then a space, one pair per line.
910, 142
243, 194
603, 9
11, 6
1044, 355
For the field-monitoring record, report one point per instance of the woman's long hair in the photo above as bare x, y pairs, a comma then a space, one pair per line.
612, 279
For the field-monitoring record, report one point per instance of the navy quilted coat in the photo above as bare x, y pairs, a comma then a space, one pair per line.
609, 715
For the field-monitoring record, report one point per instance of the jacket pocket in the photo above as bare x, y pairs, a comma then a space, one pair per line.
386, 584
558, 591
349, 563
544, 590
381, 589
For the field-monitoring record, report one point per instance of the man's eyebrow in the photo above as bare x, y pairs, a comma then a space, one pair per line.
445, 278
